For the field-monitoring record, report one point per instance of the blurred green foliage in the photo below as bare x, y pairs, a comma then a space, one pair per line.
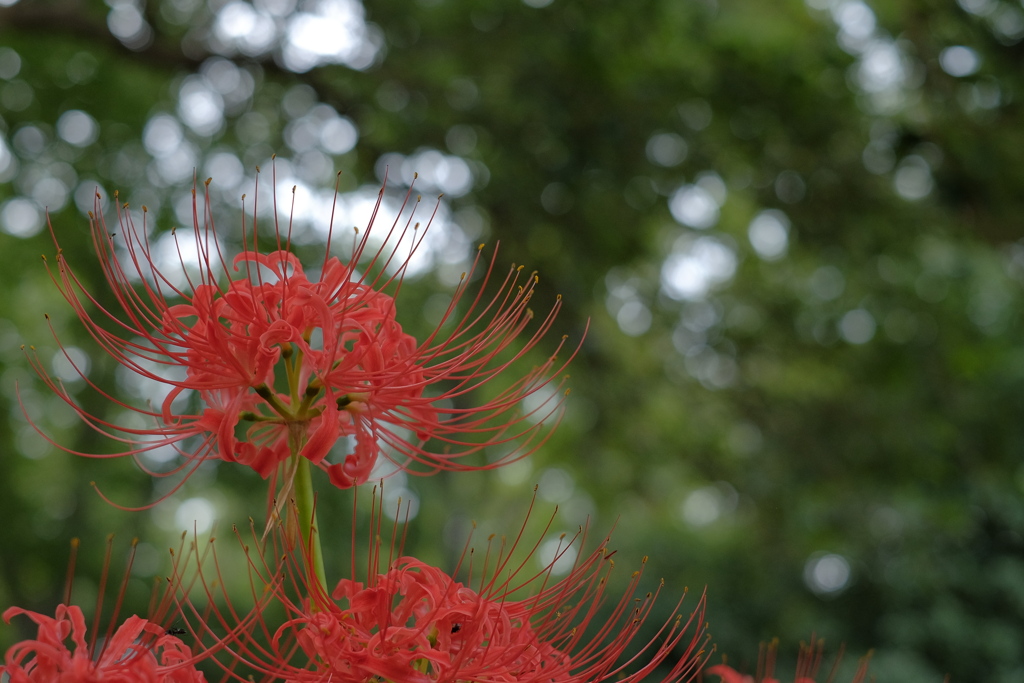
794, 230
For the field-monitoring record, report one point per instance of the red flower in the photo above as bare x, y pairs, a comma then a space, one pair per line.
807, 666
414, 623
287, 363
138, 652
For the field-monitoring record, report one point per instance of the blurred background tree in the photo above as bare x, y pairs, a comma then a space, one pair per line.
793, 226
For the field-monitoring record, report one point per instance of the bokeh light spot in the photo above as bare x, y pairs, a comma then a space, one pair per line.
694, 206
77, 128
666, 149
695, 266
558, 554
769, 234
959, 61
195, 514
826, 573
913, 178
857, 326
21, 217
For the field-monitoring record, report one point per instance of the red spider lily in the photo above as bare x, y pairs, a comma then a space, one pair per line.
808, 666
139, 650
410, 622
136, 651
286, 364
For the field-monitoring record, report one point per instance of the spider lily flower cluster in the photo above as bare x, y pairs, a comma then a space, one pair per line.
140, 650
271, 364
295, 363
808, 666
410, 622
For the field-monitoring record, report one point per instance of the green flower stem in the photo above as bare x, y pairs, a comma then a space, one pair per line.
308, 528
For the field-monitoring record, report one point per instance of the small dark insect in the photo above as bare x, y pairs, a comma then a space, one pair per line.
456, 628
176, 631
